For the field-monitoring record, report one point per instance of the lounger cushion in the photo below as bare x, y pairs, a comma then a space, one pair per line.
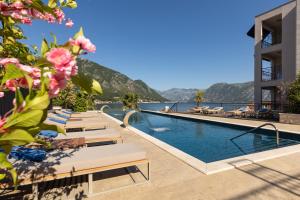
80, 159
89, 136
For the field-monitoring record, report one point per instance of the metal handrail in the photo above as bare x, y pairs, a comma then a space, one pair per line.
266, 124
175, 104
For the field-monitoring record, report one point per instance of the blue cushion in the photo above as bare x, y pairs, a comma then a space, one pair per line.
56, 120
67, 112
35, 155
264, 110
48, 133
62, 116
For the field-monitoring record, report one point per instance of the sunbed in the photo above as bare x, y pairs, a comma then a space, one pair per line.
106, 135
215, 110
83, 161
199, 109
238, 112
75, 119
76, 124
264, 113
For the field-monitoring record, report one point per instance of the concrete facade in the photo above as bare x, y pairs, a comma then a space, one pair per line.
277, 54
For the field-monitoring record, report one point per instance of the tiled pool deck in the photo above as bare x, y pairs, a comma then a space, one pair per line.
173, 179
278, 178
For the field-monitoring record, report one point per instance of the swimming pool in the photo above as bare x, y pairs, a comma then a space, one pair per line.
207, 141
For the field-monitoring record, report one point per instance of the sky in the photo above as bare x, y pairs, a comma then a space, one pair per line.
166, 43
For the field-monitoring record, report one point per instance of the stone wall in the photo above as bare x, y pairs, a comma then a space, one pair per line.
289, 118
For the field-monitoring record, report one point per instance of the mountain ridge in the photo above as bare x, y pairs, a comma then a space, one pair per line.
115, 84
218, 92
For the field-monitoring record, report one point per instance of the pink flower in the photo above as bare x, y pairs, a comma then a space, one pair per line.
11, 85
17, 5
3, 6
60, 16
26, 68
22, 82
69, 23
36, 82
5, 61
1, 94
26, 20
59, 56
57, 83
74, 70
83, 43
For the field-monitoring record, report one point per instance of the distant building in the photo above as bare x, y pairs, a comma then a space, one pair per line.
277, 54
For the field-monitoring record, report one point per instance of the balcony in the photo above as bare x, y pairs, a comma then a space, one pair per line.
271, 67
271, 31
269, 74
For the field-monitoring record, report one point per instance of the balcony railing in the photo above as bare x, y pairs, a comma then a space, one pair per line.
266, 44
268, 75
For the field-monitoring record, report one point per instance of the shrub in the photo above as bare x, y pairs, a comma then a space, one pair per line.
294, 96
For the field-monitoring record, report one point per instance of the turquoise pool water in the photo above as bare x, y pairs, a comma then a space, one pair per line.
206, 141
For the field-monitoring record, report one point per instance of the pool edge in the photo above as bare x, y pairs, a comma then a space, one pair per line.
216, 166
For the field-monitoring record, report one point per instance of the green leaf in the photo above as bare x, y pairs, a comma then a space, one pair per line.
71, 4
39, 102
14, 176
58, 129
24, 119
34, 131
54, 43
12, 72
2, 176
16, 137
29, 82
52, 3
19, 97
79, 33
96, 88
44, 47
89, 85
4, 164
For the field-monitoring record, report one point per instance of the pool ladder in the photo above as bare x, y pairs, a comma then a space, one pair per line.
266, 124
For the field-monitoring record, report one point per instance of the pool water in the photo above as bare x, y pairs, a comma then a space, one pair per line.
207, 141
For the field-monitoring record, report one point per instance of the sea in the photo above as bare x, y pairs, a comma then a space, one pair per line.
179, 107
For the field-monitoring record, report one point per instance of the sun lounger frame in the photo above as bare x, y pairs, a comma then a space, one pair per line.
88, 172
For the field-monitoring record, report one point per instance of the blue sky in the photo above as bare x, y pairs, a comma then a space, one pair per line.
167, 43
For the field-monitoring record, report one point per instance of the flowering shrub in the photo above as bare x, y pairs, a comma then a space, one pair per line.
44, 74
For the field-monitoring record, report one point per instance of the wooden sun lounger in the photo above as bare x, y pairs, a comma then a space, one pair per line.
79, 125
93, 136
84, 161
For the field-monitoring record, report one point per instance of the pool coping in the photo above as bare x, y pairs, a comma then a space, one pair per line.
180, 115
216, 166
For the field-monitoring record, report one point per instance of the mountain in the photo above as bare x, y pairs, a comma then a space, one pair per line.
178, 94
219, 92
116, 84
231, 93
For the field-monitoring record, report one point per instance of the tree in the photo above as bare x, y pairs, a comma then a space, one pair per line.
294, 96
199, 97
44, 73
67, 97
130, 101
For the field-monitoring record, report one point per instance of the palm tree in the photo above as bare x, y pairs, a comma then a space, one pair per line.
130, 101
199, 97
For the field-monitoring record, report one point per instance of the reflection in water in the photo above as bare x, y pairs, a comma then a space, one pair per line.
199, 130
161, 129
